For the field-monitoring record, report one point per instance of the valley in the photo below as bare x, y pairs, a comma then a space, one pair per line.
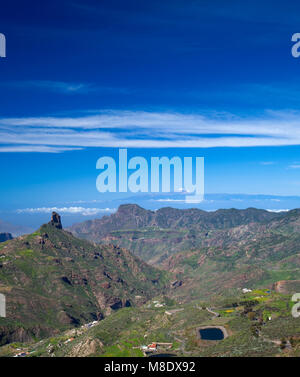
234, 270
149, 330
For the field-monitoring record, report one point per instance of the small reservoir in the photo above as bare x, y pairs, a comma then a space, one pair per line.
212, 333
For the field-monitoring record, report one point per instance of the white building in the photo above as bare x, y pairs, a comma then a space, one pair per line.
246, 290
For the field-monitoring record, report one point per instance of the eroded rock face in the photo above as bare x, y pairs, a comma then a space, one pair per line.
14, 335
56, 220
9, 334
287, 286
87, 347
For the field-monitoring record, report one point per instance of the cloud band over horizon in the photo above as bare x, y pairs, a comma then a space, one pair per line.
147, 129
67, 210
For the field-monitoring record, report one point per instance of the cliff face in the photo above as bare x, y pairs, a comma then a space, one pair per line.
53, 280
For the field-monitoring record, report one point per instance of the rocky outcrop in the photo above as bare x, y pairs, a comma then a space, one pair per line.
56, 220
86, 348
5, 237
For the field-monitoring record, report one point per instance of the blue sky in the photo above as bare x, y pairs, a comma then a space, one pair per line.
204, 78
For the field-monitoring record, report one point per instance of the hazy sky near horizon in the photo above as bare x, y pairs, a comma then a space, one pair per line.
204, 78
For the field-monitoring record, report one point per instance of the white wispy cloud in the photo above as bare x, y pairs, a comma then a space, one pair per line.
294, 166
277, 210
169, 200
36, 148
148, 129
68, 210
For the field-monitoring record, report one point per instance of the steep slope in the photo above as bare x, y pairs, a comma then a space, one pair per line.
258, 254
53, 280
155, 235
287, 286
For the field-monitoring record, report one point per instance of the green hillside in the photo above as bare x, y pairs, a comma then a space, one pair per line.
257, 323
53, 281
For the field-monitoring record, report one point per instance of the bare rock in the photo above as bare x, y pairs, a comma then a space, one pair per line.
56, 220
86, 347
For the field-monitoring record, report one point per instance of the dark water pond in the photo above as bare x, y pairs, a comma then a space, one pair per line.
211, 334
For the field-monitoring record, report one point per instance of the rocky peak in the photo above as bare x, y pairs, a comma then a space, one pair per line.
56, 220
131, 209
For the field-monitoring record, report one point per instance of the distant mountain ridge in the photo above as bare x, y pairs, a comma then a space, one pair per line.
14, 230
206, 252
132, 216
154, 235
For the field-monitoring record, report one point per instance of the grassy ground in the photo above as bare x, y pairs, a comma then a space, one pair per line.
245, 317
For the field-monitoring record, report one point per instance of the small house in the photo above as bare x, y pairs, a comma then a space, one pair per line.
152, 347
246, 290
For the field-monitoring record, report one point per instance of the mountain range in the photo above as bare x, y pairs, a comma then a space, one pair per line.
155, 235
15, 230
56, 279
206, 252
